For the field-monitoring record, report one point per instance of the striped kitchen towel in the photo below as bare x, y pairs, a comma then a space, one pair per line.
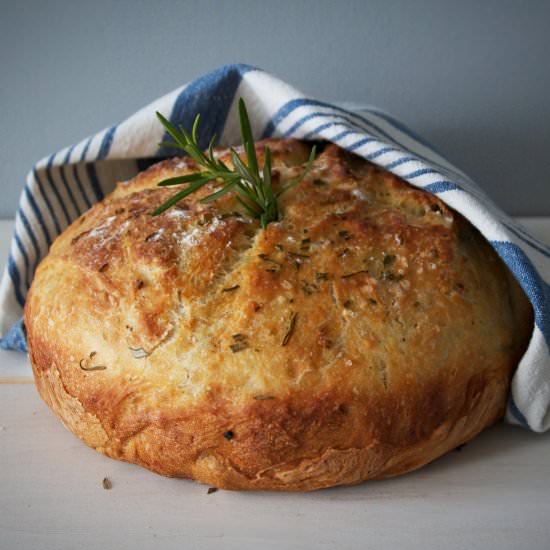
61, 187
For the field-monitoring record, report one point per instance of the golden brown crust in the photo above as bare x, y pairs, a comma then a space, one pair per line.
367, 333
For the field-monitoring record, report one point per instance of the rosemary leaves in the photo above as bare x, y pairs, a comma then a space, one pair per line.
252, 186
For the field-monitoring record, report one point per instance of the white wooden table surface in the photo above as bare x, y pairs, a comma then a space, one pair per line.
493, 494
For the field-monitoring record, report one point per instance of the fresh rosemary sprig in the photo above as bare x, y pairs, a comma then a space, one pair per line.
253, 187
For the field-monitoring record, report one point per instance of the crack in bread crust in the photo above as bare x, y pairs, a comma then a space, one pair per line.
406, 328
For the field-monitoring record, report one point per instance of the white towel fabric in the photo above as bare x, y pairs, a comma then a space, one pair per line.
66, 184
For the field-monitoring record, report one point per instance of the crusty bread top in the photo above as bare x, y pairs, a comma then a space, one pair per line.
367, 288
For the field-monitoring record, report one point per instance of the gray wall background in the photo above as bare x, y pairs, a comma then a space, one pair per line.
472, 77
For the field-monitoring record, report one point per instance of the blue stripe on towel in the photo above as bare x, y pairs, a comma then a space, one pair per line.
537, 290
441, 186
360, 143
342, 135
322, 127
55, 189
106, 143
24, 255
16, 280
399, 162
15, 338
91, 171
94, 181
418, 173
80, 185
86, 148
66, 183
38, 215
380, 152
45, 198
299, 123
211, 96
30, 233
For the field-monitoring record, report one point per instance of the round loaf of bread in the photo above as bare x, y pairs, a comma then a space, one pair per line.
368, 332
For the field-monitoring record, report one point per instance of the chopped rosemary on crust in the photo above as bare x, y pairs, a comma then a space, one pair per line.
290, 330
84, 363
231, 288
240, 342
348, 275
